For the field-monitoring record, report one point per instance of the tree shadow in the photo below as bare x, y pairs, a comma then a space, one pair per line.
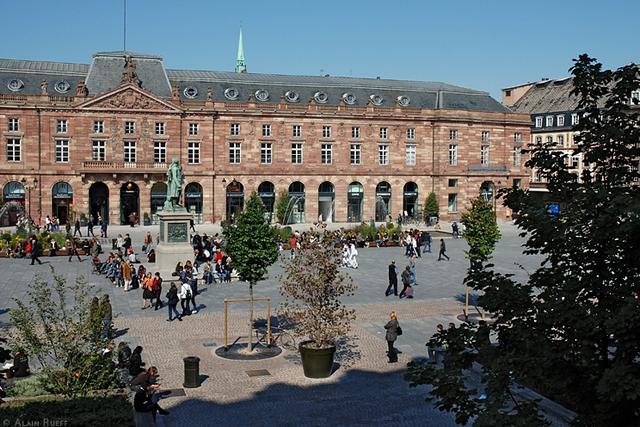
473, 298
358, 397
120, 332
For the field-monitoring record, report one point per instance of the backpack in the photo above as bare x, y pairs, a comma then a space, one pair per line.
28, 247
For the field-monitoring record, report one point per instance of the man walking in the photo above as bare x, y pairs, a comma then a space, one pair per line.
443, 250
393, 280
73, 250
426, 241
77, 228
406, 280
90, 228
35, 250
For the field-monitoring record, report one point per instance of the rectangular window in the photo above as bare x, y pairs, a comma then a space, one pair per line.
384, 132
517, 137
453, 182
560, 120
159, 152
383, 154
234, 152
266, 130
62, 150
517, 183
62, 126
326, 152
484, 155
296, 154
355, 132
234, 129
411, 133
129, 127
452, 205
130, 151
538, 122
326, 131
193, 129
296, 131
14, 150
159, 128
356, 154
266, 153
549, 139
538, 140
517, 156
14, 125
453, 135
560, 139
410, 154
98, 126
98, 151
575, 161
634, 99
453, 154
485, 136
193, 153
549, 121
575, 119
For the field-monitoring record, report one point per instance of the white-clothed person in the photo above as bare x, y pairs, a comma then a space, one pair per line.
353, 256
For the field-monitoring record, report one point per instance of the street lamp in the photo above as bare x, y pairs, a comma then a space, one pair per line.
29, 187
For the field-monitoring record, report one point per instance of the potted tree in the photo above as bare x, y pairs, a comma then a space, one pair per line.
312, 288
431, 209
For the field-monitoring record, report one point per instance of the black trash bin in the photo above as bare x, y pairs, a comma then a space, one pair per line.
191, 372
114, 244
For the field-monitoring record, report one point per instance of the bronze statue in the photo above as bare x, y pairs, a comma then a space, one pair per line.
174, 185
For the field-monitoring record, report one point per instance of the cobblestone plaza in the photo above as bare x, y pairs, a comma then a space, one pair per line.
364, 390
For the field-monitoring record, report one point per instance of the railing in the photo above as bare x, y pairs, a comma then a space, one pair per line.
58, 98
103, 165
10, 97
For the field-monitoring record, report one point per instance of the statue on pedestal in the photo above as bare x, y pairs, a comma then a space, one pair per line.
174, 186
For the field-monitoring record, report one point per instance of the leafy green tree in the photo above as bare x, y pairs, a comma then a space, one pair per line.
282, 207
251, 244
57, 330
572, 331
431, 205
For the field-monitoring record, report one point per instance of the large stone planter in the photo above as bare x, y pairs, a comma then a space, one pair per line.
316, 363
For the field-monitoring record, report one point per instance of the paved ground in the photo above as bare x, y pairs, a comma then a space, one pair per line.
365, 390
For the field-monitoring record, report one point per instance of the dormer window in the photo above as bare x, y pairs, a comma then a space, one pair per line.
62, 86
376, 99
320, 97
190, 92
291, 96
231, 93
262, 95
15, 85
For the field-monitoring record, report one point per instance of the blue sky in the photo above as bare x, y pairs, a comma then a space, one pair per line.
480, 44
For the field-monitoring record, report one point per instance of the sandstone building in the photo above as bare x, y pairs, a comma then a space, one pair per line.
89, 139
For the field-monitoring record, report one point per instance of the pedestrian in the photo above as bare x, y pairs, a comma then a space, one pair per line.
393, 279
106, 314
353, 255
192, 225
35, 250
132, 219
406, 280
73, 249
67, 228
455, 232
127, 274
294, 244
103, 228
443, 250
435, 348
426, 241
147, 290
185, 298
157, 290
90, 227
393, 331
172, 302
146, 400
412, 268
194, 287
135, 362
77, 228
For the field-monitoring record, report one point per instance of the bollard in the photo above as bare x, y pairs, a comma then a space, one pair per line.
191, 372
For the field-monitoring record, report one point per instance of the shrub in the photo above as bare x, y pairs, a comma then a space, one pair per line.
113, 410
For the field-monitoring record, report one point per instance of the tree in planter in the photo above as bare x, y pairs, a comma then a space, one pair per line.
571, 331
59, 335
312, 287
431, 206
481, 233
251, 244
282, 207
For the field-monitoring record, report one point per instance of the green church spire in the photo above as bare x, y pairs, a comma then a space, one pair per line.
240, 65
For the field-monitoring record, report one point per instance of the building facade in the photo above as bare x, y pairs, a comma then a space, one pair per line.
96, 140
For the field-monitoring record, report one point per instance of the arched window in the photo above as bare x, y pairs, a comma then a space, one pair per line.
193, 200
355, 199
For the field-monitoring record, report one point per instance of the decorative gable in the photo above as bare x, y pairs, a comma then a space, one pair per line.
129, 97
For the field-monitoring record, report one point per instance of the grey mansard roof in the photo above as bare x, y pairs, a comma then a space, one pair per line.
547, 96
105, 74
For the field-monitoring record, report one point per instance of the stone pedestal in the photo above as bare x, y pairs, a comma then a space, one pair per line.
175, 245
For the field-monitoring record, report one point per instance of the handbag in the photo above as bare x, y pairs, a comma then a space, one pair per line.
399, 330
